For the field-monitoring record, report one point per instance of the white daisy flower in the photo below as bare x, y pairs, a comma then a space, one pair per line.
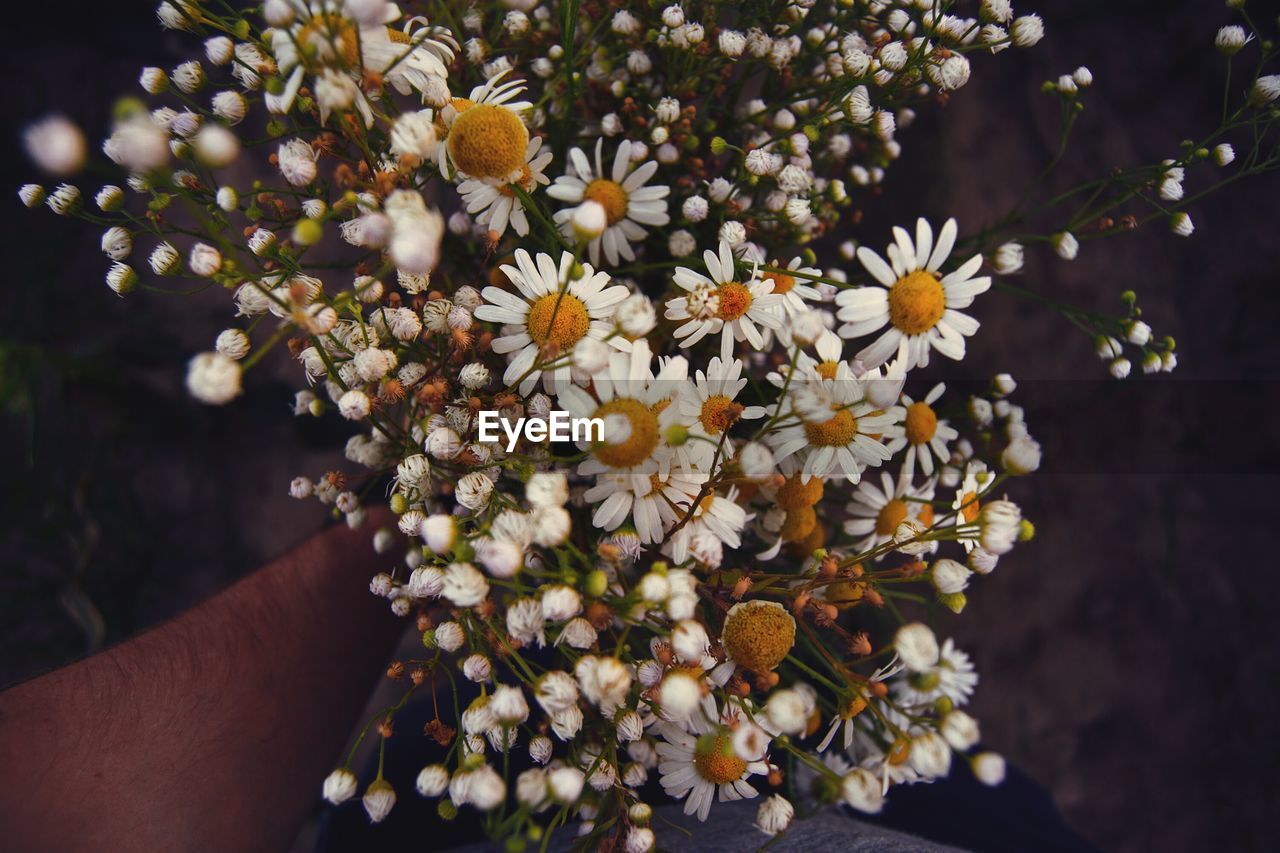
655, 502
413, 58
720, 515
882, 756
408, 59
832, 427
953, 677
913, 298
721, 303
923, 435
486, 136
492, 201
629, 205
829, 364
549, 315
966, 505
694, 768
635, 404
846, 716
707, 401
795, 291
877, 510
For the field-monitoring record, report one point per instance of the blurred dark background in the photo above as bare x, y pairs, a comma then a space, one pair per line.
1128, 656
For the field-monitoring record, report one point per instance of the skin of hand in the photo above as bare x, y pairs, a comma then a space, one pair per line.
211, 732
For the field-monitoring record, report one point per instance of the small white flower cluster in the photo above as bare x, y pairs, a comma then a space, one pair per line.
517, 220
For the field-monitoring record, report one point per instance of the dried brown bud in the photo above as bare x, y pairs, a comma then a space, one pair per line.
438, 731
860, 644
599, 615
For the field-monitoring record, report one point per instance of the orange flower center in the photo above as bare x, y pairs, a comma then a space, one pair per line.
836, 432
827, 369
916, 302
890, 516
758, 634
795, 493
643, 438
719, 413
487, 141
798, 524
735, 300
782, 283
969, 507
716, 762
611, 196
922, 423
558, 320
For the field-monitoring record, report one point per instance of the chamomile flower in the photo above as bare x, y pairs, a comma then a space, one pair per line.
327, 39
720, 302
655, 502
952, 677
494, 203
552, 311
795, 291
636, 406
829, 364
967, 506
923, 435
833, 428
414, 58
629, 205
486, 134
708, 400
913, 298
876, 510
695, 768
719, 515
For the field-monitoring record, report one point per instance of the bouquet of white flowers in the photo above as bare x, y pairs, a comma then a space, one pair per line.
664, 490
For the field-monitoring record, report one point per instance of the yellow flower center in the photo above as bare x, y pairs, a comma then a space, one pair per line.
922, 423
716, 762
827, 369
798, 524
758, 634
611, 196
837, 432
853, 708
795, 493
735, 300
643, 438
916, 302
488, 141
890, 516
398, 36
719, 413
969, 507
782, 283
558, 320
326, 35
845, 592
